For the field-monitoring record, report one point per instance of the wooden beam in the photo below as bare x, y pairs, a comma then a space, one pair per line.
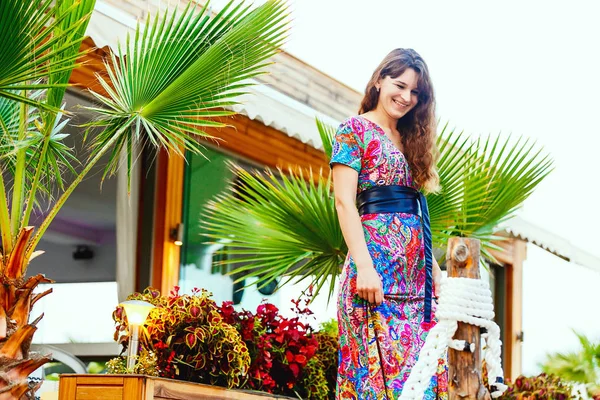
265, 145
85, 77
511, 258
506, 255
167, 215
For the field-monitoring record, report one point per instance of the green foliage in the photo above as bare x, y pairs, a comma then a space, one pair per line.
286, 224
582, 366
192, 67
40, 47
281, 223
52, 370
145, 364
314, 380
327, 354
96, 367
326, 132
329, 327
189, 337
484, 181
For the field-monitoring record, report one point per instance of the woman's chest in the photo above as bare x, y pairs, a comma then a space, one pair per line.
384, 164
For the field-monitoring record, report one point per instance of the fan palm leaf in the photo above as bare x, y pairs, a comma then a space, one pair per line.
282, 223
174, 78
287, 226
40, 49
41, 42
193, 66
35, 157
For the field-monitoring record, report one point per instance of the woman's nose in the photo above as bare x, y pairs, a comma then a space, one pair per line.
405, 94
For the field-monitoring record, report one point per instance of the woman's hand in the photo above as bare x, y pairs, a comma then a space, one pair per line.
368, 284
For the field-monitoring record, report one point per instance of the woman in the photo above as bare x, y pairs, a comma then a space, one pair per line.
381, 161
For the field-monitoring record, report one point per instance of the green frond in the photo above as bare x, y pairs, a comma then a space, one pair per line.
287, 225
284, 224
41, 42
326, 132
193, 66
579, 366
73, 18
173, 80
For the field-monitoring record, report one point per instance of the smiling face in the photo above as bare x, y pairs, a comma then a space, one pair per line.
399, 95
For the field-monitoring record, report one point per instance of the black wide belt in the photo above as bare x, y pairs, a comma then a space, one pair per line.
404, 199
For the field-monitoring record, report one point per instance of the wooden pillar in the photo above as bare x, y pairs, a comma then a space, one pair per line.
511, 257
464, 380
514, 297
167, 215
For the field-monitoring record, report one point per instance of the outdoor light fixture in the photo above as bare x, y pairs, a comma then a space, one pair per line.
83, 252
177, 235
137, 312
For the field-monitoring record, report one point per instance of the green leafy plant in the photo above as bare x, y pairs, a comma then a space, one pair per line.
286, 224
189, 337
145, 364
52, 370
582, 366
327, 354
173, 78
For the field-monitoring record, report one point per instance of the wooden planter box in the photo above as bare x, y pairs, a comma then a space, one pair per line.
142, 387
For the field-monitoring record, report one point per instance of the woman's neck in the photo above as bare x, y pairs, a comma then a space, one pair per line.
381, 118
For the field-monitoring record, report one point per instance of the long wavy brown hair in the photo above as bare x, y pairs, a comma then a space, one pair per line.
417, 128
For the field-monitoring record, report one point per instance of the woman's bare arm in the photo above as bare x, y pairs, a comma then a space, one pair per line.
368, 281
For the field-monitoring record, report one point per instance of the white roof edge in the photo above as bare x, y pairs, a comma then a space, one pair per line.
109, 25
519, 228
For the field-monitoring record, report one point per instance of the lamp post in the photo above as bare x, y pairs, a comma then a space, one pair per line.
137, 312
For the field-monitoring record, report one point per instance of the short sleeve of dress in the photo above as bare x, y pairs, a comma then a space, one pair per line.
345, 148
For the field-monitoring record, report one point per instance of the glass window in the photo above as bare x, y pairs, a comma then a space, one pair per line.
205, 177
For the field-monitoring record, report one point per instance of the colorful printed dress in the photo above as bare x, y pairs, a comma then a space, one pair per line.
379, 345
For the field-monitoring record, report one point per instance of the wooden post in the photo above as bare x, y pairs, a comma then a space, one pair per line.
464, 380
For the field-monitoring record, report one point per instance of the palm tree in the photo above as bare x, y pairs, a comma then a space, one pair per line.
280, 224
175, 77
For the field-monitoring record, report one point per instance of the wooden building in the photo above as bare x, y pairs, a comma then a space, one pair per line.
274, 128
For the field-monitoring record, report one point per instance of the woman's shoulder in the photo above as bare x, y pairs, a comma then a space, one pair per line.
355, 124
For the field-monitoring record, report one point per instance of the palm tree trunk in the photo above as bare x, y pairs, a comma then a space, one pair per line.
16, 332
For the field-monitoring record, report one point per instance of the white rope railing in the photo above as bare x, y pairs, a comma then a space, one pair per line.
461, 300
